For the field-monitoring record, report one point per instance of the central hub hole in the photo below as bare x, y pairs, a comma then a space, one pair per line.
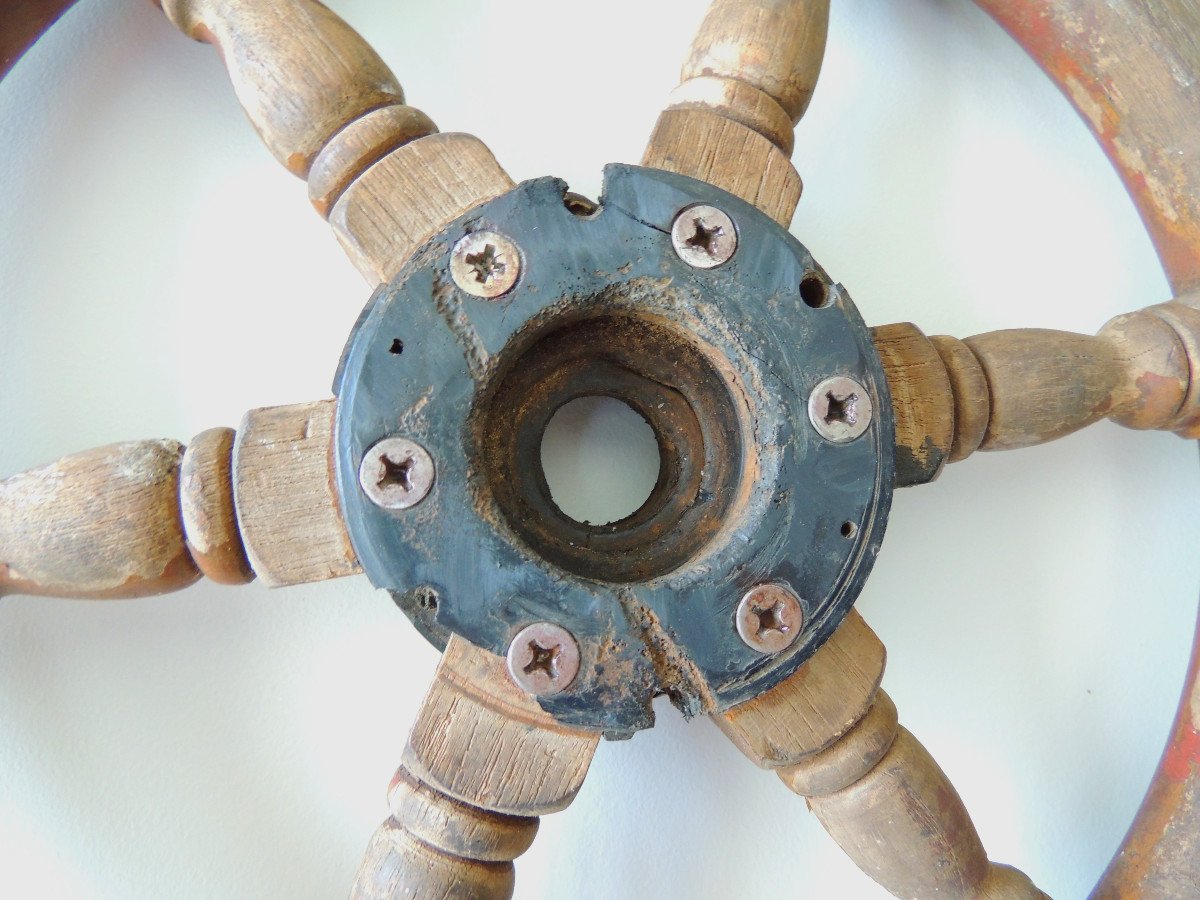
600, 459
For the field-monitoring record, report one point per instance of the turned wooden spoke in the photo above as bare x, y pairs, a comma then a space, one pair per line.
149, 517
833, 737
1010, 389
483, 761
329, 109
748, 80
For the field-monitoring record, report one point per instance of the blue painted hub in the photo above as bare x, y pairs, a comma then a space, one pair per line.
720, 362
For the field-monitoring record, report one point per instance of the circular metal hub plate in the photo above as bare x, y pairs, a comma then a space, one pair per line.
721, 362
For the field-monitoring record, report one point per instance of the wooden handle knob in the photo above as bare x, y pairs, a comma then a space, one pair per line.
143, 518
102, 523
757, 62
748, 80
301, 73
483, 761
1009, 389
885, 801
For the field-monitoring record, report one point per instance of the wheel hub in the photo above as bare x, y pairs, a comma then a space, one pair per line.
755, 373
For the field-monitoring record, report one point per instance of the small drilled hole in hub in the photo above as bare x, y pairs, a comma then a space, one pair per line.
600, 459
849, 529
814, 292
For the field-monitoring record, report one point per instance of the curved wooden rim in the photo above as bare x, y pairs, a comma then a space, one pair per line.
1109, 59
1145, 52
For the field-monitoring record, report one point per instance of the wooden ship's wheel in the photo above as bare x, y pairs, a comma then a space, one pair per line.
782, 421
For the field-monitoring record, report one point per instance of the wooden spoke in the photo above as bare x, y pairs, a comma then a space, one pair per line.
483, 761
1010, 389
832, 736
149, 517
329, 109
748, 80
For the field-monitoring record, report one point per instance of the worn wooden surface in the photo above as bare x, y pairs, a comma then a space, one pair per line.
329, 109
922, 402
287, 506
1010, 389
817, 704
207, 509
102, 523
757, 62
299, 71
832, 736
748, 79
483, 760
901, 820
406, 197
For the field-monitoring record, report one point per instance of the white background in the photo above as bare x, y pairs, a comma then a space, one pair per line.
160, 274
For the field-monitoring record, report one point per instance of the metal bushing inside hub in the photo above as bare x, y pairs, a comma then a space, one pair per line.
720, 361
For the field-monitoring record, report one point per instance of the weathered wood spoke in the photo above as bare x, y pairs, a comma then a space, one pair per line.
483, 761
833, 737
748, 80
329, 109
1009, 389
149, 517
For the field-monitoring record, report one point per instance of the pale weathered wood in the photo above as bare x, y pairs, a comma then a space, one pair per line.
701, 144
482, 762
904, 825
331, 111
832, 736
397, 864
207, 510
406, 197
749, 78
359, 146
1010, 389
482, 740
969, 393
287, 505
816, 705
922, 402
757, 62
455, 827
300, 72
103, 523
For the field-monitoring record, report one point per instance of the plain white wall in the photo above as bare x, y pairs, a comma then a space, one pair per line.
160, 274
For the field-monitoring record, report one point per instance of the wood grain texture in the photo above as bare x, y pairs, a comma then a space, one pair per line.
103, 523
485, 742
207, 510
397, 864
922, 401
359, 146
408, 195
813, 707
758, 56
300, 72
905, 826
701, 144
482, 762
969, 391
287, 506
1005, 390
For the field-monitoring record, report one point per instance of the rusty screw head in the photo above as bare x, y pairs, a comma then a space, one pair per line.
704, 237
543, 659
840, 409
770, 617
396, 473
485, 264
